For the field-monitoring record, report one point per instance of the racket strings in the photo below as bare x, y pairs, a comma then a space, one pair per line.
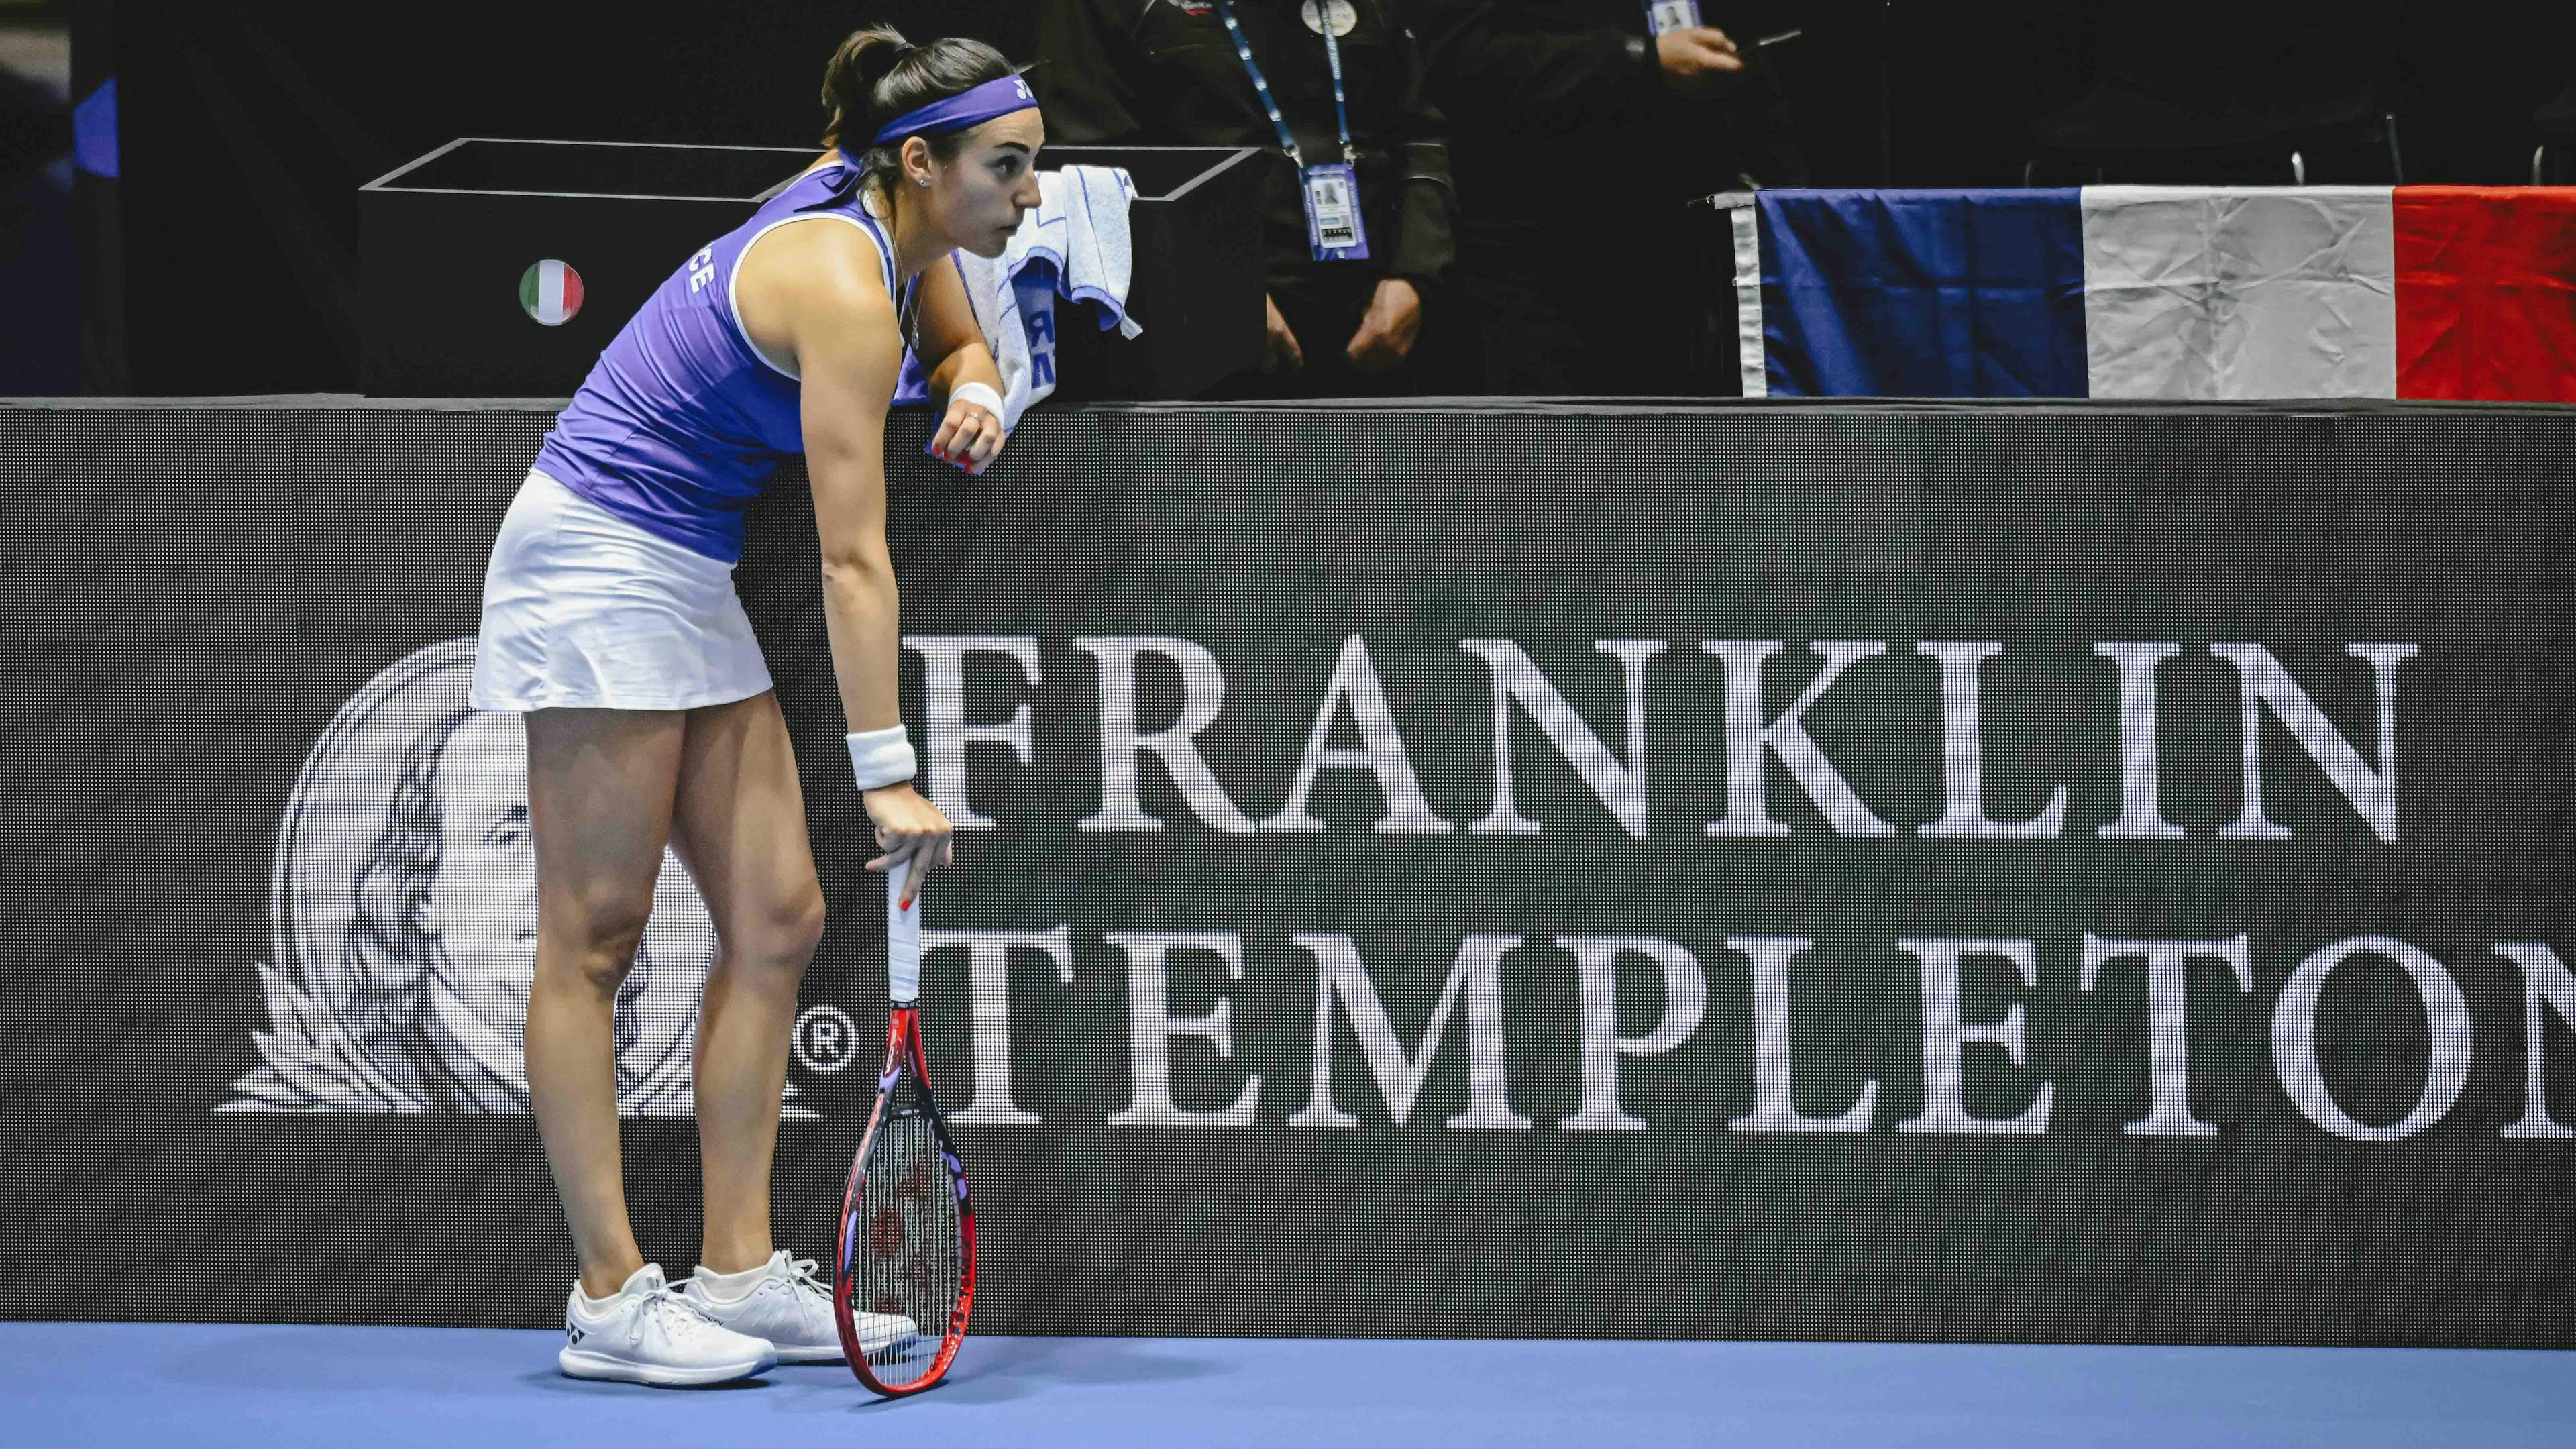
909, 1257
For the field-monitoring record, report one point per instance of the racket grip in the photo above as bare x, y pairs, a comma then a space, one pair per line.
903, 943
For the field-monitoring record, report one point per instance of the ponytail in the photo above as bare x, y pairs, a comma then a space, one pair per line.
876, 75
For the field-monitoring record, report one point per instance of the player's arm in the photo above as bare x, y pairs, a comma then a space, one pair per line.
837, 319
954, 354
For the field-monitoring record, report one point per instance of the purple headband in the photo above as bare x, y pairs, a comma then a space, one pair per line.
964, 109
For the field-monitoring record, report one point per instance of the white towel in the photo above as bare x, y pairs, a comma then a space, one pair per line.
1075, 244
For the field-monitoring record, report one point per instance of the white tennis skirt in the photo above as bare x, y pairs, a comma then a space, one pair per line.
584, 610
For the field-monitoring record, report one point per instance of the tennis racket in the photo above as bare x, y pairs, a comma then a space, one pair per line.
904, 1278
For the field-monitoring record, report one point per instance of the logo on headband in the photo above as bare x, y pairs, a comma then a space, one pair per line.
997, 97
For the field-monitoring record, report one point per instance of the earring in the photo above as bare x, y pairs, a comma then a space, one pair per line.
923, 180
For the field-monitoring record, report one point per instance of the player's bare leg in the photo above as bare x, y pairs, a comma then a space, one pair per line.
740, 829
600, 790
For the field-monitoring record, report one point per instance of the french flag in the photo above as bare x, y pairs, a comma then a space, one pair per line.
2442, 292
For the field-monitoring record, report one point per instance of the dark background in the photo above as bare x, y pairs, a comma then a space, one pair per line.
194, 592
248, 128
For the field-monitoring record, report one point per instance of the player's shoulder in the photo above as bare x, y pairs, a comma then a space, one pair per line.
822, 260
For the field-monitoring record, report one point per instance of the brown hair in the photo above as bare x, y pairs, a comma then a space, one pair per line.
877, 75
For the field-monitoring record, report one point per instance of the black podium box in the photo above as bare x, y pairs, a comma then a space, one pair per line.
447, 244
475, 255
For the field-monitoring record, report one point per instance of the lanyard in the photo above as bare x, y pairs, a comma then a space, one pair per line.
1261, 86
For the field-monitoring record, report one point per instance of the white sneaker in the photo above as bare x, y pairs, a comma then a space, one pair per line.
792, 1308
649, 1334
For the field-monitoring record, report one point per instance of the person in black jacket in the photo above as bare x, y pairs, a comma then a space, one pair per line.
1579, 136
1169, 73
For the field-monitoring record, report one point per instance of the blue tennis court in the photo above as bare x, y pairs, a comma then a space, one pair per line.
210, 1386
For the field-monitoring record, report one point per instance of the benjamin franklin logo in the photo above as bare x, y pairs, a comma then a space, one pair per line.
403, 921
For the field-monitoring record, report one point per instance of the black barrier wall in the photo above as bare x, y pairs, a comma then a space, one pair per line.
2014, 874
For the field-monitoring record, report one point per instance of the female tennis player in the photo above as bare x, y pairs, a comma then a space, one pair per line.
610, 621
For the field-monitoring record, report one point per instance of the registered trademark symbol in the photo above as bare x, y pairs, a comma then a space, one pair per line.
826, 1039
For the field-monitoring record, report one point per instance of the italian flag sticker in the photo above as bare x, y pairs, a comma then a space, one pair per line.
551, 292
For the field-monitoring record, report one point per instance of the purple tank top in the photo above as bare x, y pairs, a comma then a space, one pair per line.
681, 422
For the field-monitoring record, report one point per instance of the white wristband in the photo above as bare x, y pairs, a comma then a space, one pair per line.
882, 757
978, 394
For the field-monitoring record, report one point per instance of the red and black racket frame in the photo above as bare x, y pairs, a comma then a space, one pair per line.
903, 1038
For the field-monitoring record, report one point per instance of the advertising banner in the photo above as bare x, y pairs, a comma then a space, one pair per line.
2067, 873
